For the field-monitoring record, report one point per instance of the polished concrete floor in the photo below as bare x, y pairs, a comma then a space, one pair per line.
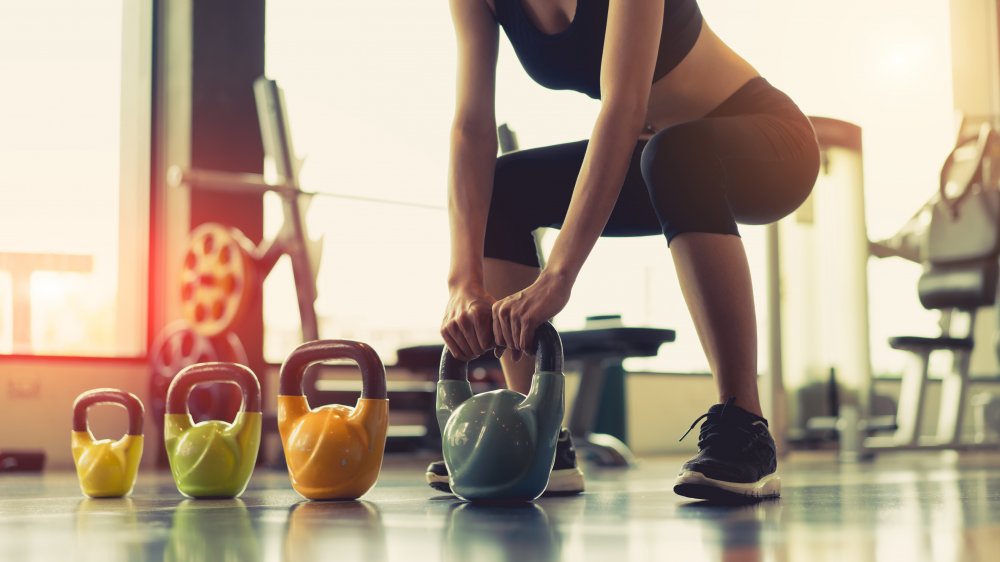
937, 507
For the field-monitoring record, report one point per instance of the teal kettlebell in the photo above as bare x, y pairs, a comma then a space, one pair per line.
500, 445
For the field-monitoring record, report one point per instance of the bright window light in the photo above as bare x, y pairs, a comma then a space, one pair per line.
72, 284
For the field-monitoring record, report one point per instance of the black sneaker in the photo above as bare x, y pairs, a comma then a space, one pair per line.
736, 460
566, 478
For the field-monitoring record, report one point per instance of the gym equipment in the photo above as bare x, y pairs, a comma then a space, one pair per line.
594, 350
258, 261
501, 445
333, 452
212, 459
222, 269
106, 468
956, 237
960, 257
822, 305
179, 346
216, 278
304, 254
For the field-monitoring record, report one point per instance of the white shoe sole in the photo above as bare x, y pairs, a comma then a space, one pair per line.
561, 482
565, 481
696, 485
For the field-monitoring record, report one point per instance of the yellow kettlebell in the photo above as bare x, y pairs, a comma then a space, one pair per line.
334, 451
212, 459
106, 468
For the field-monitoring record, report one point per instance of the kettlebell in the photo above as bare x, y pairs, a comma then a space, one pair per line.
334, 451
106, 468
501, 445
213, 458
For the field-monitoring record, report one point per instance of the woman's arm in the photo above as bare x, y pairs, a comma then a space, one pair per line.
631, 46
466, 327
630, 50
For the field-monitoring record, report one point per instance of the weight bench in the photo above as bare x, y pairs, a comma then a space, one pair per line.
594, 349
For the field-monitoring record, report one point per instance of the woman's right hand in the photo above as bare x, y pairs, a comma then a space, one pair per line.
467, 327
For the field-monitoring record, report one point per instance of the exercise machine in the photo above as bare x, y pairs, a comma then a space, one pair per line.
955, 236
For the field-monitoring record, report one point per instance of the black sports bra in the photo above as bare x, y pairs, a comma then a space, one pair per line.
571, 59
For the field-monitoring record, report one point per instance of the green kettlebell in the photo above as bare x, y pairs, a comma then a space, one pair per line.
212, 459
501, 445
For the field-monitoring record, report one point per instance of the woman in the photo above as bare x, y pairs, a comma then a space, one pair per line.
689, 141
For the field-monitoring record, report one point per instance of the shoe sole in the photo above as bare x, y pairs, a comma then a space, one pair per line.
696, 485
563, 482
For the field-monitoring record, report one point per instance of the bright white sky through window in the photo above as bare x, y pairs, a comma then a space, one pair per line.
60, 122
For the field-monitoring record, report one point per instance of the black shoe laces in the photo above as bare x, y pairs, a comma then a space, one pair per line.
722, 432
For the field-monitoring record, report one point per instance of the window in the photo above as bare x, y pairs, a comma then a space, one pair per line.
74, 150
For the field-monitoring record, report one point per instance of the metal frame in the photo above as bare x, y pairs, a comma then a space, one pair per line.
291, 239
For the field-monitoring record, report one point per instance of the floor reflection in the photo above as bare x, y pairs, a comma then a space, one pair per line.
108, 530
500, 533
343, 530
212, 530
738, 533
919, 509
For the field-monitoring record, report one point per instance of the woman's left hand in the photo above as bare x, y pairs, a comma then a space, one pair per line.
516, 317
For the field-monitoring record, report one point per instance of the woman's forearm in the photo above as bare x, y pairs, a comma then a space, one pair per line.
597, 188
470, 187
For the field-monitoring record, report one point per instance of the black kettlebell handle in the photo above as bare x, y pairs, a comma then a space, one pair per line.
318, 351
108, 396
217, 371
548, 356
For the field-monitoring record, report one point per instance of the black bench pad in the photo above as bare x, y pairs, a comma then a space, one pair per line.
579, 344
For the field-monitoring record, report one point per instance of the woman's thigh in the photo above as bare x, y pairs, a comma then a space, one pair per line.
532, 189
708, 174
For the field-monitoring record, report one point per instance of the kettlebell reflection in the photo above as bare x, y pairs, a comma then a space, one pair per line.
353, 530
212, 531
100, 522
487, 533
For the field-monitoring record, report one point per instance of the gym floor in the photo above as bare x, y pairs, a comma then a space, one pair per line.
939, 507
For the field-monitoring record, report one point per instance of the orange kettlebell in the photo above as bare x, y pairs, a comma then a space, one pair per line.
334, 451
106, 468
213, 458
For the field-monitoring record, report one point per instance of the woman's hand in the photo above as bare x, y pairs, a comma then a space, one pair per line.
516, 317
467, 328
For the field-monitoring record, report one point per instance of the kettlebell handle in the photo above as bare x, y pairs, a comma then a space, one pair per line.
90, 398
180, 387
318, 351
548, 356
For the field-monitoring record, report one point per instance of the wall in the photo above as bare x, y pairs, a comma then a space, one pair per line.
38, 395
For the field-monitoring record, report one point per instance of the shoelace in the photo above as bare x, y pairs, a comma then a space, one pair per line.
719, 431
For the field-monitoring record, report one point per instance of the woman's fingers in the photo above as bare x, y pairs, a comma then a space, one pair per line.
526, 333
483, 327
501, 324
467, 331
498, 342
515, 332
454, 347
